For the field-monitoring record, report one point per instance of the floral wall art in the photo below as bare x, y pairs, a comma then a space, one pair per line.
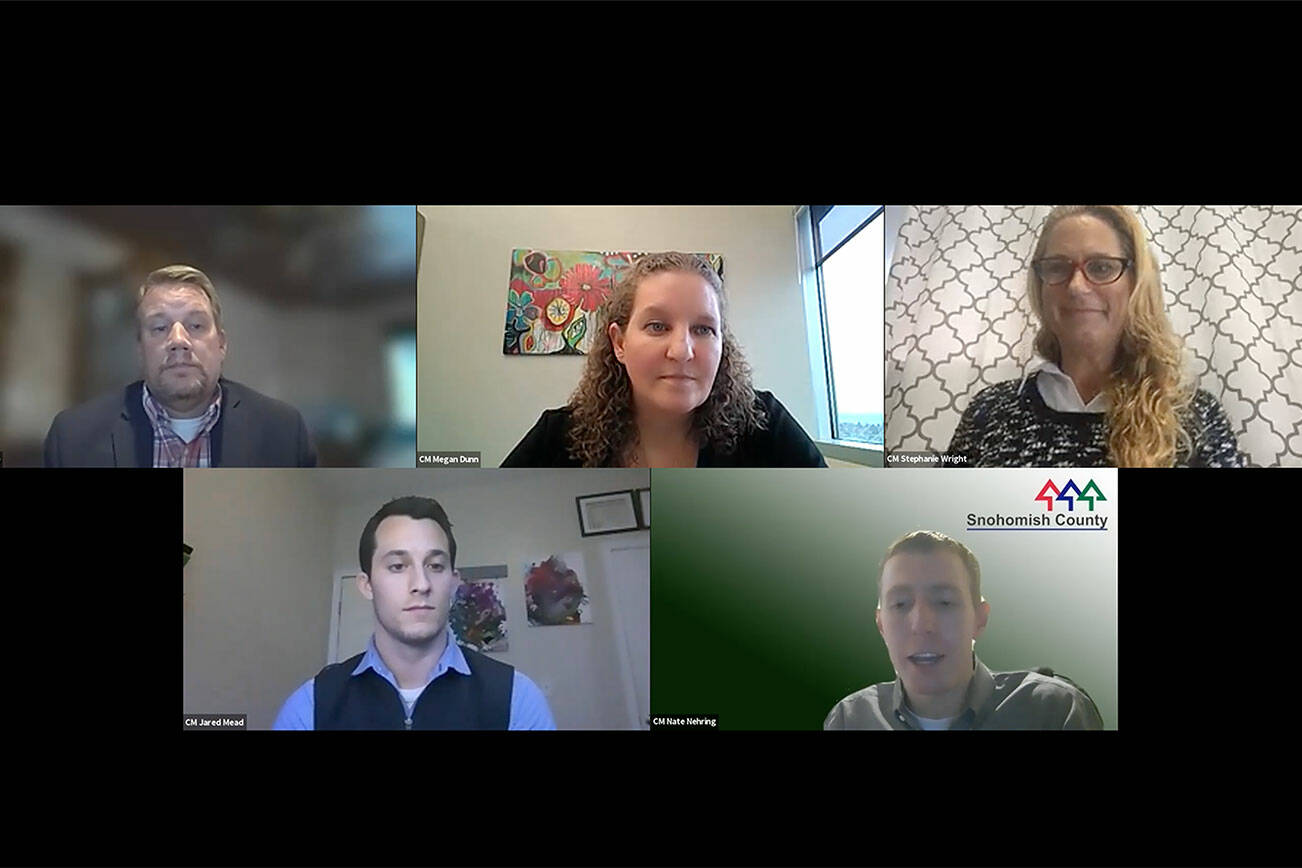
554, 592
554, 296
478, 616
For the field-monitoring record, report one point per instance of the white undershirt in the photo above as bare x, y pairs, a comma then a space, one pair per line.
1059, 392
931, 722
186, 429
409, 696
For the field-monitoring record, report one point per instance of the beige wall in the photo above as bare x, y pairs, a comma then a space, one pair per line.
472, 397
268, 544
257, 588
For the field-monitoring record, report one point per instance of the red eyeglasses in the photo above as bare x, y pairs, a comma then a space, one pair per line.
1098, 270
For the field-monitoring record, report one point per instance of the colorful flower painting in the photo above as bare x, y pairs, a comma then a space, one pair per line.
478, 617
554, 594
554, 297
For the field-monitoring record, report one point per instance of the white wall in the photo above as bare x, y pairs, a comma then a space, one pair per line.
472, 397
257, 588
269, 542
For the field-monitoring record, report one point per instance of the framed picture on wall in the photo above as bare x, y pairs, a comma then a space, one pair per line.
609, 512
554, 299
643, 507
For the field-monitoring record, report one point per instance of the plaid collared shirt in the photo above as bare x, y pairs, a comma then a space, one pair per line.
169, 449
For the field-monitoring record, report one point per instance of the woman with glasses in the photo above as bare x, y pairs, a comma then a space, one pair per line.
1112, 390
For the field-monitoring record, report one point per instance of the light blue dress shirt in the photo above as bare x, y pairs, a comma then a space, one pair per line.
529, 708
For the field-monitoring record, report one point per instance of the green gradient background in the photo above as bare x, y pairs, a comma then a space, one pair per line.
763, 585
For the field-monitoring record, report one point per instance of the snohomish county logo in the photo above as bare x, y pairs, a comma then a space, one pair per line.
1063, 518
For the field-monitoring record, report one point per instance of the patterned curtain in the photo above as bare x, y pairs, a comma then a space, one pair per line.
957, 317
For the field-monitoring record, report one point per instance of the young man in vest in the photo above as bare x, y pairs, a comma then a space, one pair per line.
930, 613
413, 675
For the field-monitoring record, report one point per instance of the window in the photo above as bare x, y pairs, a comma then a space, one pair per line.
843, 268
400, 365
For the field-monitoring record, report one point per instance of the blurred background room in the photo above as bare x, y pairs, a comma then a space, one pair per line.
318, 305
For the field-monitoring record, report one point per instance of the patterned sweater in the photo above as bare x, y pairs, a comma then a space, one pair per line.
1004, 428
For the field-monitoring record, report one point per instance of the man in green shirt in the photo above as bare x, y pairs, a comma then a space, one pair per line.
930, 612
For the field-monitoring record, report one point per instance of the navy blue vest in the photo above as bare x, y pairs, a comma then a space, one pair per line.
481, 700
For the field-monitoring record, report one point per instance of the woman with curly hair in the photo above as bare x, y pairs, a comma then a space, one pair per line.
666, 385
1112, 390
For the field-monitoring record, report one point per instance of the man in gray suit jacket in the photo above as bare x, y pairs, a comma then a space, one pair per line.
183, 413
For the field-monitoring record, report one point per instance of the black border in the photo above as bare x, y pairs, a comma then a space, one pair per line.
1198, 775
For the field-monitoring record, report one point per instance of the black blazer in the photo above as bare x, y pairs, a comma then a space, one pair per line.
113, 431
782, 444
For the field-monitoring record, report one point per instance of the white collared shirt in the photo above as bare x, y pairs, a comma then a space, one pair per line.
1059, 392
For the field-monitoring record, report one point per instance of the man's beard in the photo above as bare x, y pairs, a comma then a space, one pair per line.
192, 386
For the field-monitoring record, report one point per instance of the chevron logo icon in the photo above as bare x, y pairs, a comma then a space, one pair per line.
1070, 494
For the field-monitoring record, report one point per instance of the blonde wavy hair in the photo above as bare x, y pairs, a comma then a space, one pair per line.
1148, 392
602, 431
